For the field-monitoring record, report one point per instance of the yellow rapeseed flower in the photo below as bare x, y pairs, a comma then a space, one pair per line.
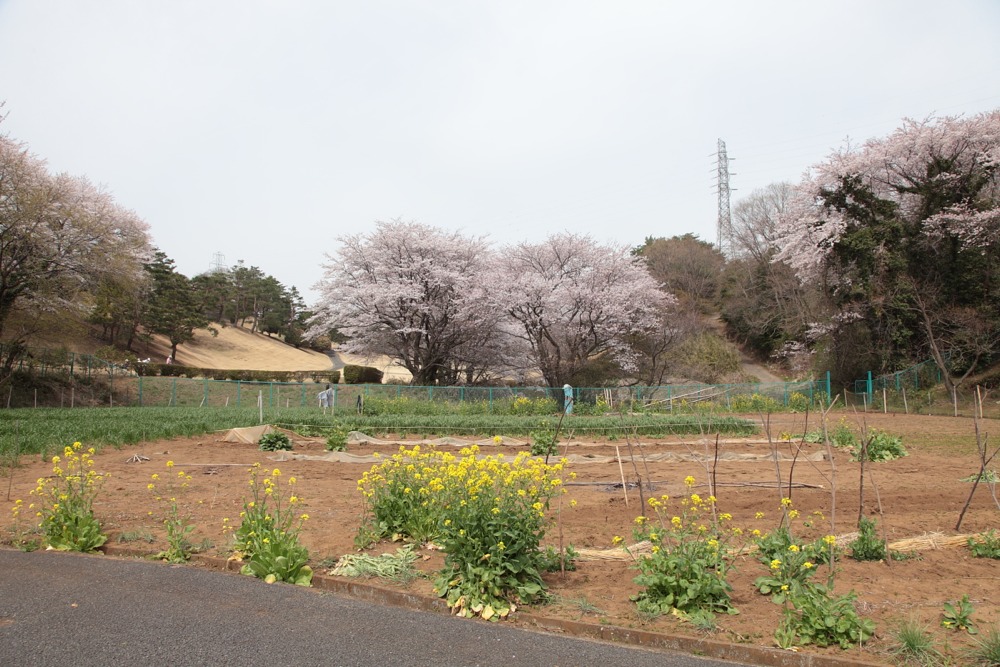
689, 480
170, 464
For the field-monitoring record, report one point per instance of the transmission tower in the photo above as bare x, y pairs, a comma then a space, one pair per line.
218, 263
725, 223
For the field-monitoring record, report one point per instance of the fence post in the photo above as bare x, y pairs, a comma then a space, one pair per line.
239, 386
204, 397
870, 388
173, 394
829, 396
140, 391
270, 394
491, 400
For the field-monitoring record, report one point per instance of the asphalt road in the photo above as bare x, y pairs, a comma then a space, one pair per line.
60, 609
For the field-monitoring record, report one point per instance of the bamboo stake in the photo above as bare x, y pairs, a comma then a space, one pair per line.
885, 409
906, 408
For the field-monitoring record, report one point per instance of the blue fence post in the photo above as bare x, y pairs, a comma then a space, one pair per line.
829, 395
870, 387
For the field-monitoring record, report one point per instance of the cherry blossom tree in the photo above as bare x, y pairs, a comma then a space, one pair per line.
573, 299
904, 234
408, 290
60, 239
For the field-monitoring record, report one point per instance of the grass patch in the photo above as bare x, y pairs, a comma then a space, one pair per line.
47, 430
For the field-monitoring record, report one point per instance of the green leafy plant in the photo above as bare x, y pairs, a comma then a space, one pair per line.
543, 443
492, 522
843, 437
178, 525
881, 447
798, 402
985, 545
687, 566
815, 616
268, 536
868, 545
488, 515
989, 476
397, 500
958, 615
67, 502
274, 441
553, 561
795, 565
336, 440
913, 644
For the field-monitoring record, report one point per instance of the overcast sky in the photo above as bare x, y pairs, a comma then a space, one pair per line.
265, 130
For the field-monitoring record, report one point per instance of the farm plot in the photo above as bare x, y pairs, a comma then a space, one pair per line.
915, 499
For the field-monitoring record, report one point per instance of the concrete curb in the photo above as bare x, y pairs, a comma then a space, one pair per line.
703, 647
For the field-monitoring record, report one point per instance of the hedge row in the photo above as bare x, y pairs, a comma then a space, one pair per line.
362, 375
177, 370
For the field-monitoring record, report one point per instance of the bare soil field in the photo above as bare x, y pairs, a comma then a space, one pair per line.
919, 495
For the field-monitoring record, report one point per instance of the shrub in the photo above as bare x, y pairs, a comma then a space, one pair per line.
336, 441
881, 447
362, 375
543, 443
67, 502
815, 616
274, 441
268, 536
798, 402
985, 545
754, 403
868, 545
178, 526
687, 567
488, 515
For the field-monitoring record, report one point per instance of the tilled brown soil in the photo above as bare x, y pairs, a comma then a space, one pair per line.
919, 495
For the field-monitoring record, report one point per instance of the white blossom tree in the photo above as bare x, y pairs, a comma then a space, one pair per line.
407, 290
60, 238
904, 233
573, 299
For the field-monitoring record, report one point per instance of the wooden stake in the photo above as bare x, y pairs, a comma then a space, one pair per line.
906, 407
621, 471
885, 409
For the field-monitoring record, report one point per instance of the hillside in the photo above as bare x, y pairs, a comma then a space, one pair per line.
236, 348
232, 348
